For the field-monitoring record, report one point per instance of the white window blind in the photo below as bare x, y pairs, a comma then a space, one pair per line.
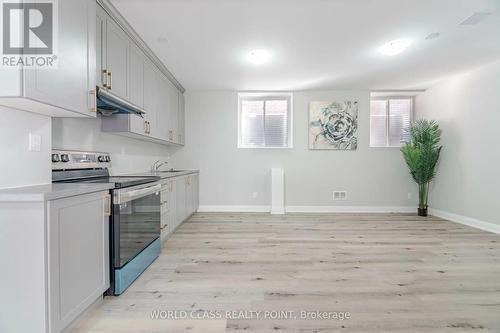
264, 120
390, 121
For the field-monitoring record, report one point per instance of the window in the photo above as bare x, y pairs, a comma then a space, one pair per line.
390, 119
264, 120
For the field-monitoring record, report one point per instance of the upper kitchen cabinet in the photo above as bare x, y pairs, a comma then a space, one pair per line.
129, 70
173, 113
114, 53
115, 74
136, 68
67, 88
181, 119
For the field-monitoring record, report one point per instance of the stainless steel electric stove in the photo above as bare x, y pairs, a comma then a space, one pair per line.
135, 219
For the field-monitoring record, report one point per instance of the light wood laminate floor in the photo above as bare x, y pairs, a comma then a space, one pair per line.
391, 272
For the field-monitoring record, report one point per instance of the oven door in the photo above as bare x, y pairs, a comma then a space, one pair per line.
135, 221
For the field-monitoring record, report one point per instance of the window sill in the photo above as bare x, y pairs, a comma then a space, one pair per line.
398, 147
249, 147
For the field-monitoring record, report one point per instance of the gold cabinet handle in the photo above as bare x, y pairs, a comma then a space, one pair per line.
104, 78
93, 94
110, 77
107, 207
149, 127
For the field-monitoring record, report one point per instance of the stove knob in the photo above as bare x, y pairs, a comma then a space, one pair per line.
108, 159
101, 158
55, 158
64, 158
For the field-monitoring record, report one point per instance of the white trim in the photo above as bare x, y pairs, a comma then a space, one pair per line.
471, 222
350, 209
235, 209
309, 209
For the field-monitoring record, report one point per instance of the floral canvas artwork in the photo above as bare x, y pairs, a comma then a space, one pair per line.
333, 125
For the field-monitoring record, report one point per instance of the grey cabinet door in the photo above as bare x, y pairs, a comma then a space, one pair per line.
71, 85
78, 255
100, 47
189, 196
164, 207
172, 213
173, 110
150, 95
136, 84
180, 197
163, 120
181, 119
196, 192
117, 59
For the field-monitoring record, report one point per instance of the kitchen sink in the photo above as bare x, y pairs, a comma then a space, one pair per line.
171, 170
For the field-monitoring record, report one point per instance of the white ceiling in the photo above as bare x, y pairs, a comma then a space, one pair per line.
316, 44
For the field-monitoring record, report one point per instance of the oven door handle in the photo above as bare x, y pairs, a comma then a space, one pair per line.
136, 194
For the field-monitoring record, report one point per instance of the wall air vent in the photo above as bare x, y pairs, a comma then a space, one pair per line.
339, 195
475, 18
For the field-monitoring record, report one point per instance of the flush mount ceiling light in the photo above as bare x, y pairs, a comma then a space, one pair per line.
162, 39
475, 18
433, 35
259, 57
394, 47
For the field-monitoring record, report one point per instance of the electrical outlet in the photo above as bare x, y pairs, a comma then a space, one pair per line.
255, 195
339, 195
35, 142
409, 195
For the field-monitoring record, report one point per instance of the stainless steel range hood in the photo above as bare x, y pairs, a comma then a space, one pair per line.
109, 104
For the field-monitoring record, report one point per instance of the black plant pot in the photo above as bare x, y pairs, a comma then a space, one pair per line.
422, 211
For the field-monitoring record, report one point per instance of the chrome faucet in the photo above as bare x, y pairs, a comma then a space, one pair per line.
156, 165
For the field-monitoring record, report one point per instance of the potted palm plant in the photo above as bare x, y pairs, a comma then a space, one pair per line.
421, 154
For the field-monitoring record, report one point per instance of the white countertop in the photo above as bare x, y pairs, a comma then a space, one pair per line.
166, 174
62, 190
50, 191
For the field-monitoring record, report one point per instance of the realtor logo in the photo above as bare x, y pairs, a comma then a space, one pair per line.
28, 34
27, 28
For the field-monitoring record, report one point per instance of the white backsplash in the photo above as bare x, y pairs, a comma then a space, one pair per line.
127, 155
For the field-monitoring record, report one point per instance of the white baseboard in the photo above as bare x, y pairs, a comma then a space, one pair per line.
471, 222
234, 209
350, 209
309, 209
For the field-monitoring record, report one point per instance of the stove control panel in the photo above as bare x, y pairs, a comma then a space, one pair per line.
68, 160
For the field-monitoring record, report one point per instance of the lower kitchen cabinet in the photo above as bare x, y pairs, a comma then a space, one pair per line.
172, 207
182, 202
55, 260
187, 190
78, 255
165, 210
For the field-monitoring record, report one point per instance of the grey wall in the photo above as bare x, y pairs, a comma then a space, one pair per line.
127, 155
230, 176
467, 107
18, 166
21, 167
